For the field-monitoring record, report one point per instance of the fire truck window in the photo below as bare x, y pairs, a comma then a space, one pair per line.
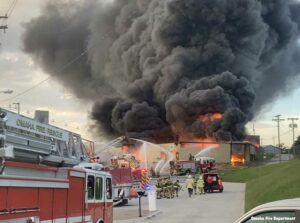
91, 187
108, 189
99, 188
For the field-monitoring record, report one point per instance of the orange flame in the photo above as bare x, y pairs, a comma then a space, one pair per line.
125, 148
202, 143
217, 116
237, 159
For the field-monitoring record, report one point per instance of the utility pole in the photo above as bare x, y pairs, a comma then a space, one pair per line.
253, 128
4, 27
293, 126
278, 120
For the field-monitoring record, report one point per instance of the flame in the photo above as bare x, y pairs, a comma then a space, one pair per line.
246, 142
125, 148
237, 159
217, 116
202, 143
257, 145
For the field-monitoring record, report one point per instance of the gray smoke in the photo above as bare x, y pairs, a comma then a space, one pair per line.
158, 68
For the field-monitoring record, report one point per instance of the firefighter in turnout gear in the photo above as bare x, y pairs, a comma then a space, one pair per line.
200, 185
176, 187
190, 185
159, 188
165, 188
169, 188
195, 185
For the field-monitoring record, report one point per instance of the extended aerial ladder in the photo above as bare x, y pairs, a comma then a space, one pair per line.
27, 140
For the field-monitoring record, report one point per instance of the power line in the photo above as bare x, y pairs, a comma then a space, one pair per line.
11, 7
281, 134
24, 92
4, 18
45, 80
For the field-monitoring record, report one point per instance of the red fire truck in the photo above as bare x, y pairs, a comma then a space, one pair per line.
128, 177
183, 167
122, 179
45, 176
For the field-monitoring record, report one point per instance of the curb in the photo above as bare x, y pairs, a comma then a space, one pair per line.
137, 220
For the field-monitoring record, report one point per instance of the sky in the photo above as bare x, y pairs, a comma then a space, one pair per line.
19, 72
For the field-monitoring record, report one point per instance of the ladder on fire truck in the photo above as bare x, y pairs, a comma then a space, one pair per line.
27, 140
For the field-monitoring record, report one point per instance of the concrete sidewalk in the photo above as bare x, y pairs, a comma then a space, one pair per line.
131, 216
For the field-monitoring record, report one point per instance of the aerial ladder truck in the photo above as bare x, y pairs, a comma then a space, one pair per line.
46, 176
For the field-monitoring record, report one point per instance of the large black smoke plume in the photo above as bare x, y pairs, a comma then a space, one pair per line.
167, 67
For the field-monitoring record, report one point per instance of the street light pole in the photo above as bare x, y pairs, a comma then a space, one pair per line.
7, 91
293, 126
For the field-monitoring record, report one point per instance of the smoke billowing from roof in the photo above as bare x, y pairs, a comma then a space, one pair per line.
157, 67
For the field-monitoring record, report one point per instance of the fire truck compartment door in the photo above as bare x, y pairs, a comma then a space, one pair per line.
121, 176
108, 203
90, 195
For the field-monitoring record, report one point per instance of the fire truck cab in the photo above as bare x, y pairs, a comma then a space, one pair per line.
45, 176
39, 193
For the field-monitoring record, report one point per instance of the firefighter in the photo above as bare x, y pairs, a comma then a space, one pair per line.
159, 188
195, 185
209, 184
189, 185
176, 187
200, 185
169, 188
164, 187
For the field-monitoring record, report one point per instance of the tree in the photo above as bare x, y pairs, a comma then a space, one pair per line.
296, 145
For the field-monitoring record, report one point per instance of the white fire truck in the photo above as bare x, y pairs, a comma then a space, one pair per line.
45, 176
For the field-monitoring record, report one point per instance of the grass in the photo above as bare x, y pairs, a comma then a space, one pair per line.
267, 183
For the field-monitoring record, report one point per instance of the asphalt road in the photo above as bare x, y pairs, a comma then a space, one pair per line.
223, 207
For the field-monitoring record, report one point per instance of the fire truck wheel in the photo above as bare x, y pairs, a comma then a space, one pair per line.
125, 201
221, 190
100, 221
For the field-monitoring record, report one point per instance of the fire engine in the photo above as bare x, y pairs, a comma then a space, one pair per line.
128, 177
121, 170
45, 175
201, 164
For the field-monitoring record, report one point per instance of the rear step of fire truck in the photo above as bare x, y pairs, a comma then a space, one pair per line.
27, 140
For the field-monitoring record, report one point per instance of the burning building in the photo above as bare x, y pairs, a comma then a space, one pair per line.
241, 152
157, 69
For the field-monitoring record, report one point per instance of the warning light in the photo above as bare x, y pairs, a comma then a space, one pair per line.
148, 188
